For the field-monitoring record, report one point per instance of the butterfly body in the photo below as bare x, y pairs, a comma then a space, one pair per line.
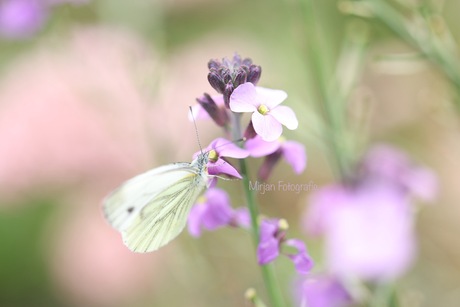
152, 208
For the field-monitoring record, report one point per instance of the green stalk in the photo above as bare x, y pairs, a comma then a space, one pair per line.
439, 55
333, 110
268, 274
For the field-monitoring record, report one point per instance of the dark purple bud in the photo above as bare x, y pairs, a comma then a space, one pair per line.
226, 62
237, 59
216, 82
240, 77
219, 115
226, 76
250, 133
254, 74
247, 62
269, 163
227, 93
214, 64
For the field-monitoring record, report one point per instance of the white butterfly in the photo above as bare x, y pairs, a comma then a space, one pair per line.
151, 209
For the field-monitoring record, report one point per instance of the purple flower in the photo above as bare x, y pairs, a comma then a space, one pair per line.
219, 148
267, 114
21, 18
210, 107
214, 211
322, 291
293, 152
368, 223
272, 236
386, 163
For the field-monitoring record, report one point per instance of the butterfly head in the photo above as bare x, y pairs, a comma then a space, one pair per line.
201, 161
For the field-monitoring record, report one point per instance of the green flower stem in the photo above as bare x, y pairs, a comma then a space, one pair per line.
268, 274
429, 45
333, 110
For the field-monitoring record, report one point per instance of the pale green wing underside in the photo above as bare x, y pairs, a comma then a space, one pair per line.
152, 209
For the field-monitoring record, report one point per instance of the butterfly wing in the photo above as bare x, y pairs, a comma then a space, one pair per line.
151, 209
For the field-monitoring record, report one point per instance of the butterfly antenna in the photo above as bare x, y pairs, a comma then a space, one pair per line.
196, 129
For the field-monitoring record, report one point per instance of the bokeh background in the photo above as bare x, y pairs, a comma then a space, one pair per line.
98, 91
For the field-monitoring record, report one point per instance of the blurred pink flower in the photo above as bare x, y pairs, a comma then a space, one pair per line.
383, 162
368, 223
368, 231
90, 265
321, 291
20, 19
74, 115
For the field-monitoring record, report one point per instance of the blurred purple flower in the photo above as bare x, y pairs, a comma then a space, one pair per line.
322, 291
272, 236
368, 224
386, 163
21, 18
214, 211
267, 114
219, 148
293, 152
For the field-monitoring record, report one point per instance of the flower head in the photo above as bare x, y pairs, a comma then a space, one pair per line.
322, 291
21, 18
293, 152
226, 75
220, 148
386, 163
267, 114
214, 211
368, 224
272, 237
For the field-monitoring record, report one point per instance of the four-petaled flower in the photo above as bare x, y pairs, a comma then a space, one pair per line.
267, 114
219, 148
272, 237
293, 152
213, 211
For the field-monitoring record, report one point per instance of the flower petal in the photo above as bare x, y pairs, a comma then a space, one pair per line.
267, 251
194, 219
226, 148
244, 98
242, 218
295, 155
222, 167
257, 147
302, 260
218, 210
286, 116
422, 183
268, 229
269, 97
266, 126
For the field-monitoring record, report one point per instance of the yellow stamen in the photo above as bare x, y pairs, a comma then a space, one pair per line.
263, 109
213, 155
283, 224
250, 294
201, 200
